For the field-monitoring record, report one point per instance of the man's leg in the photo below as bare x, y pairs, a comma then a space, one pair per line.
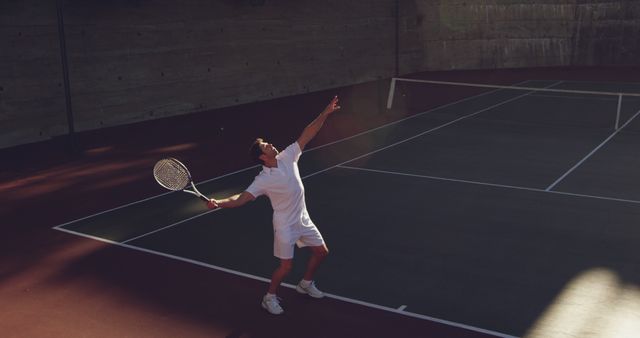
270, 302
318, 254
279, 274
307, 285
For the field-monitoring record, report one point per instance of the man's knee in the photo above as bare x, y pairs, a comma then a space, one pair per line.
321, 251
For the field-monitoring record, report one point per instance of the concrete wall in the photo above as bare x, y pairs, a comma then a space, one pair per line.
32, 103
462, 34
133, 60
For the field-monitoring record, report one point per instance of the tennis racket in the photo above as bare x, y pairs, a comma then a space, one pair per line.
173, 175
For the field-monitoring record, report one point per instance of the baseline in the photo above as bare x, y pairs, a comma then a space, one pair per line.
291, 286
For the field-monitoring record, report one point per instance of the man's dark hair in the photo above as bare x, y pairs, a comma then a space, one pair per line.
255, 151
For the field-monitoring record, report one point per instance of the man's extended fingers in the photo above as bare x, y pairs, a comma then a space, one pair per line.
333, 105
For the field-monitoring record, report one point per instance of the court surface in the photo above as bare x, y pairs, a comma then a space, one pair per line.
506, 212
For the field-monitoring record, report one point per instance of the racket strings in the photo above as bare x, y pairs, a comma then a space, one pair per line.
171, 174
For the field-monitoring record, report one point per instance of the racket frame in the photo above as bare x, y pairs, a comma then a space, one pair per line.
195, 191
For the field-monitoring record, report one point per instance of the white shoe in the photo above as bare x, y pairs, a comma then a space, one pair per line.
272, 304
311, 290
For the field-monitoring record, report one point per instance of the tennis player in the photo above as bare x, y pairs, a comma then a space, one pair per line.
280, 181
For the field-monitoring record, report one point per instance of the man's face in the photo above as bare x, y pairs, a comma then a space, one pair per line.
268, 149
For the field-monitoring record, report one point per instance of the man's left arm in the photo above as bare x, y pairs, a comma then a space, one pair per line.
313, 128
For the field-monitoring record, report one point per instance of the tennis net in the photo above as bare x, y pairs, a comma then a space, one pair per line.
553, 103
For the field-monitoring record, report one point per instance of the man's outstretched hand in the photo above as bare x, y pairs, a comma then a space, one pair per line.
332, 106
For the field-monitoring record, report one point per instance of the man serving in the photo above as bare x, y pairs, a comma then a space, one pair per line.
280, 181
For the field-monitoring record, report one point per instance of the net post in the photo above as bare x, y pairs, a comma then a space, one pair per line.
618, 111
392, 90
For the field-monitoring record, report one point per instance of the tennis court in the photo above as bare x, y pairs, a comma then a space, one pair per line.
479, 213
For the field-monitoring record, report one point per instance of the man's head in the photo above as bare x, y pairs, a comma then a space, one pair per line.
262, 151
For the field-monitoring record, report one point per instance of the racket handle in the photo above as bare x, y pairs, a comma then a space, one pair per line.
197, 194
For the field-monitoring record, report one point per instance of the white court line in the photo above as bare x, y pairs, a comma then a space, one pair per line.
564, 97
591, 153
290, 286
308, 150
492, 184
170, 225
402, 307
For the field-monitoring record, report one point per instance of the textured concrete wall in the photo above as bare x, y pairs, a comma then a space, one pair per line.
133, 60
145, 59
462, 34
607, 32
31, 85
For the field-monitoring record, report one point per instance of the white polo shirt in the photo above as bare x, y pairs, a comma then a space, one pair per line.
284, 188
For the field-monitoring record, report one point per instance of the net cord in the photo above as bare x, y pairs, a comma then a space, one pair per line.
515, 87
618, 95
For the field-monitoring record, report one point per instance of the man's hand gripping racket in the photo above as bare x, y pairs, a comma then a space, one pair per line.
173, 175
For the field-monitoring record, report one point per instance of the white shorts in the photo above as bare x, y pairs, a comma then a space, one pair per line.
303, 235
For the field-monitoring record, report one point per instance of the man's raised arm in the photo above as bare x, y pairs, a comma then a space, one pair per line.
312, 129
